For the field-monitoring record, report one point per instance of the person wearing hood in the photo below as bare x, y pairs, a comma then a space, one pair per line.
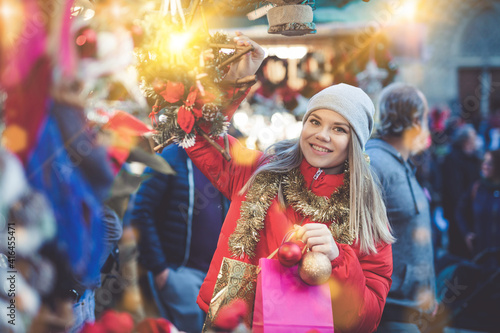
402, 132
319, 185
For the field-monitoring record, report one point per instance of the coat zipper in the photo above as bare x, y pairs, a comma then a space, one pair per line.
317, 174
315, 177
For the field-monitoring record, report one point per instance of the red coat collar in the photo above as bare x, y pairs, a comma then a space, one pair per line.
325, 184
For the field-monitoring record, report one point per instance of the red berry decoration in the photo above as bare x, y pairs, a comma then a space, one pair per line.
289, 254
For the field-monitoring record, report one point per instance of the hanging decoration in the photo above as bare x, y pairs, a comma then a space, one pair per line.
291, 17
286, 17
315, 268
289, 254
181, 67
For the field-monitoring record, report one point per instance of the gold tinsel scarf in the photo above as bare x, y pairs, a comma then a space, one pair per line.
319, 209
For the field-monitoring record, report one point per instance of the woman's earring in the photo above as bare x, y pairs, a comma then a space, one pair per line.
346, 166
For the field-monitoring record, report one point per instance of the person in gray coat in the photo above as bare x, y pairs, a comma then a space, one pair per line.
402, 132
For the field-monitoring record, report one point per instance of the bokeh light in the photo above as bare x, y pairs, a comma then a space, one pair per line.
11, 21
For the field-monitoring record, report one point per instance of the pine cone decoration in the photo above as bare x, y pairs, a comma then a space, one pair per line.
210, 111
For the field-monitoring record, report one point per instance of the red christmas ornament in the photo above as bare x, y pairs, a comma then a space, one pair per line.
300, 243
289, 254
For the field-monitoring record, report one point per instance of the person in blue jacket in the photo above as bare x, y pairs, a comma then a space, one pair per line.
401, 133
478, 212
178, 218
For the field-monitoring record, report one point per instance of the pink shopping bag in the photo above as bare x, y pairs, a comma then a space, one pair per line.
285, 304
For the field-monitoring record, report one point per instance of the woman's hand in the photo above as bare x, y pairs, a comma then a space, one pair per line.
250, 62
318, 238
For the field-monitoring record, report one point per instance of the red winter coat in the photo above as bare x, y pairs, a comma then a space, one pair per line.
362, 281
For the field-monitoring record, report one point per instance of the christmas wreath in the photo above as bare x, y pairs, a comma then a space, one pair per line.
181, 68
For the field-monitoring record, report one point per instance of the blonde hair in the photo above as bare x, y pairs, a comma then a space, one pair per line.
367, 219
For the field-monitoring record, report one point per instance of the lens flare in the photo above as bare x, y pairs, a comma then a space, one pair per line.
178, 41
11, 21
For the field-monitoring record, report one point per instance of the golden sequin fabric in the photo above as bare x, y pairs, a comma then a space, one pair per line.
236, 280
319, 209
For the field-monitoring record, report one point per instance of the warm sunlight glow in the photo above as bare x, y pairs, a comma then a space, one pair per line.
178, 41
11, 19
7, 10
407, 10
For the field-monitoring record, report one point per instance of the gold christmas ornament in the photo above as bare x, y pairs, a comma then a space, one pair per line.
315, 268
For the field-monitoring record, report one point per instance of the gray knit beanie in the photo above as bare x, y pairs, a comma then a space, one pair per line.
351, 103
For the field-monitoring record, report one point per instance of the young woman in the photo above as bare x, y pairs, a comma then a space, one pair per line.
319, 185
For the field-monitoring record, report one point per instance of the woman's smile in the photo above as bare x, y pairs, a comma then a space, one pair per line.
325, 139
321, 149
